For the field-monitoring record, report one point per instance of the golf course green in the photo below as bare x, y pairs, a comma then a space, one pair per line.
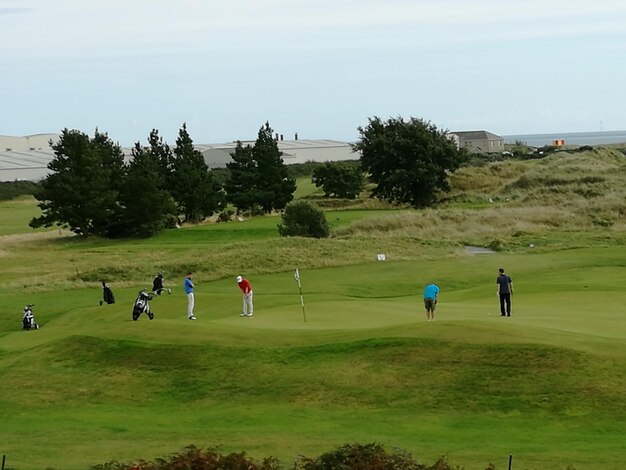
547, 385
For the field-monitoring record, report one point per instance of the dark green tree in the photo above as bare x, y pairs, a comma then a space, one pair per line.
162, 153
195, 191
341, 180
241, 183
82, 190
408, 160
148, 205
258, 175
303, 219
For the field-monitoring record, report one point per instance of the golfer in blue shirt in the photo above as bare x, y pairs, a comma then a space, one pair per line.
188, 287
431, 291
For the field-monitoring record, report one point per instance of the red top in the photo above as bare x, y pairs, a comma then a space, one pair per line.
244, 286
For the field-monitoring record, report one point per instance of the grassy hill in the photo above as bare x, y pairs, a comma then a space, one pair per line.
546, 385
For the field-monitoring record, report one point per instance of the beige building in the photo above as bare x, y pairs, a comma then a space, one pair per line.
294, 151
27, 158
478, 141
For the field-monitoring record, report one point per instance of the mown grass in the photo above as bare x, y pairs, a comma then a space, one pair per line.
545, 385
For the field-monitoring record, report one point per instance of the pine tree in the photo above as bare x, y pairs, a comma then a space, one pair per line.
82, 190
196, 193
259, 177
148, 206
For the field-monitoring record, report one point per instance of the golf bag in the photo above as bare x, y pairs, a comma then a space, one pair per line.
157, 285
107, 294
28, 319
141, 305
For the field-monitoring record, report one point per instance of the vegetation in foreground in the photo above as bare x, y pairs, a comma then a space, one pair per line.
348, 457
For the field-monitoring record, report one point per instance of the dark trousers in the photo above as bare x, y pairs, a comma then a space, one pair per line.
505, 299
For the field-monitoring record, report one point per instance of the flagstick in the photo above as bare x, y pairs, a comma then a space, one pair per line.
297, 276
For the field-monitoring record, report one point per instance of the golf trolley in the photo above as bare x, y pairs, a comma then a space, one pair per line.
157, 285
141, 305
107, 294
28, 319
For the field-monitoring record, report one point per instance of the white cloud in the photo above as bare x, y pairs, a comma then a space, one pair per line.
75, 28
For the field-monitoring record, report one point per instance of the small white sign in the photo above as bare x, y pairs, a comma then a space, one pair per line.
380, 256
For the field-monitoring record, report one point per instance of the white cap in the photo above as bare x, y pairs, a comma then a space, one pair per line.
239, 279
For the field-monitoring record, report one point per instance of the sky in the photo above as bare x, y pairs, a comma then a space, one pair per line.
319, 68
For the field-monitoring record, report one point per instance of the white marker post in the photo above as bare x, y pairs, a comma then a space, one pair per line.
296, 276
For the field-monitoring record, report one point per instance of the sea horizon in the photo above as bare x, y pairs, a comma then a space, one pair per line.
570, 138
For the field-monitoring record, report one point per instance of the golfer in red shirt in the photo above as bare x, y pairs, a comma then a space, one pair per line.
246, 300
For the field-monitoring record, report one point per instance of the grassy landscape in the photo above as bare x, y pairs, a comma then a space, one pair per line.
546, 385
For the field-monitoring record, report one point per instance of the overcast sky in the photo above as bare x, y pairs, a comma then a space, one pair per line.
316, 67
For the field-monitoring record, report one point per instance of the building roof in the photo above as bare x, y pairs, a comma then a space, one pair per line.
27, 158
476, 135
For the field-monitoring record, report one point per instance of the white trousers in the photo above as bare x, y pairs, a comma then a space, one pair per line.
190, 303
246, 304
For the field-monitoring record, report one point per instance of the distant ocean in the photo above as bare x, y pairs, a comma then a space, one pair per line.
570, 138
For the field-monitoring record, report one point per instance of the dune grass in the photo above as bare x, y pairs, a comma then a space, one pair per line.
546, 385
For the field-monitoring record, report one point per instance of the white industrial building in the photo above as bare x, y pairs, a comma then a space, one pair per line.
27, 158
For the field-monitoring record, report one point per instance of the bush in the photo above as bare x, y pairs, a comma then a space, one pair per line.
339, 179
13, 189
348, 457
303, 219
226, 215
194, 458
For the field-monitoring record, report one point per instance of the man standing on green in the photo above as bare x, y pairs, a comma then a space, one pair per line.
188, 288
431, 291
505, 290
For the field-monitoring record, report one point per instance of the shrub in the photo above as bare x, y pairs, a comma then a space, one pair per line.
226, 215
194, 458
303, 219
347, 457
367, 456
339, 179
12, 189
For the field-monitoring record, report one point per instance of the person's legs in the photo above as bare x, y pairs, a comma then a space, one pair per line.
249, 305
502, 310
244, 307
429, 305
190, 305
507, 300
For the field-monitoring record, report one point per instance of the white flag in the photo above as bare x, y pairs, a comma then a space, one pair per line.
296, 275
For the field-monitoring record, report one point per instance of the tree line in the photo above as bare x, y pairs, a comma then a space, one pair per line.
92, 190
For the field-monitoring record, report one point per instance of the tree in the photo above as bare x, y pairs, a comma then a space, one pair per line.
408, 161
339, 180
162, 153
148, 206
241, 182
82, 190
196, 193
303, 219
259, 177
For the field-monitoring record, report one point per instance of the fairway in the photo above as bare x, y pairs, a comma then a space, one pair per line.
545, 385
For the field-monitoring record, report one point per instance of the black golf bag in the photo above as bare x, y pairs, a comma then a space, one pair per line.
157, 284
28, 319
141, 305
107, 294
